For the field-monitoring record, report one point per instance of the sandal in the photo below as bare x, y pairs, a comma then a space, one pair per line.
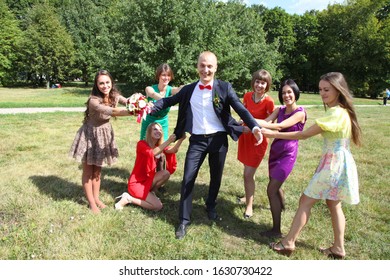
282, 251
329, 253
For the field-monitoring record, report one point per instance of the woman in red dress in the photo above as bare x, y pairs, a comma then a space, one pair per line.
260, 105
144, 180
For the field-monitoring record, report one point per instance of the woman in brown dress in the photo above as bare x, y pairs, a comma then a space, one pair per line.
94, 145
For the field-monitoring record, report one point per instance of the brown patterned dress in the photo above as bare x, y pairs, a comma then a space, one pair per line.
94, 142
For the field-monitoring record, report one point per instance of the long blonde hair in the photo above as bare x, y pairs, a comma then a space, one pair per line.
345, 100
148, 137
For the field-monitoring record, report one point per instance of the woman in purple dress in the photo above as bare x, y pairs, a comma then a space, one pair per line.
283, 153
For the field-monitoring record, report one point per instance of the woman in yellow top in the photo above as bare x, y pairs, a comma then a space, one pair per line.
335, 179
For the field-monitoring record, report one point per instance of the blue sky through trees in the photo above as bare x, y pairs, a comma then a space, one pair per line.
295, 6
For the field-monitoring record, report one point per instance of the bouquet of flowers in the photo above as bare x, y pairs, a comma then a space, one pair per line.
137, 104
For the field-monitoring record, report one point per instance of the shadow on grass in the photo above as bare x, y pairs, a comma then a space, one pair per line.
233, 224
61, 189
230, 223
58, 188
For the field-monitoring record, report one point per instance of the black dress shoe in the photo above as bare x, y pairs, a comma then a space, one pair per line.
212, 214
181, 231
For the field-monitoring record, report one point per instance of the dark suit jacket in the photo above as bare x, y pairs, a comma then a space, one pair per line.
223, 97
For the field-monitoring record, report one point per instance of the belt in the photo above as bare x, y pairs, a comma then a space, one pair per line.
210, 135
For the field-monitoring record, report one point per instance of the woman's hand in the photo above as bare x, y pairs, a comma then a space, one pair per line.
246, 130
172, 138
183, 137
268, 132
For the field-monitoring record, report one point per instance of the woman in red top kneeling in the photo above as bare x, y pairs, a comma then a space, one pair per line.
145, 180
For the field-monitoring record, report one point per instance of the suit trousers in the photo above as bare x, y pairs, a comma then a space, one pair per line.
216, 147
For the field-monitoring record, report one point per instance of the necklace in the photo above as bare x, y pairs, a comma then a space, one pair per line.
162, 91
257, 100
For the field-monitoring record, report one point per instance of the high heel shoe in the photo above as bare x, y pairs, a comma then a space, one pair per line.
125, 198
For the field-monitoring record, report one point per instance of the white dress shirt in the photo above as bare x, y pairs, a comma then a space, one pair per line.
205, 121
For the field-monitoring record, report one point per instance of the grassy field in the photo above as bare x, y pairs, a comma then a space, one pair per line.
44, 215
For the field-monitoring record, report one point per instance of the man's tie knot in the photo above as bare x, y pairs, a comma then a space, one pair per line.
202, 87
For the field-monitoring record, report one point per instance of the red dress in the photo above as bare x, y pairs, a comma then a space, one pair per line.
248, 153
141, 178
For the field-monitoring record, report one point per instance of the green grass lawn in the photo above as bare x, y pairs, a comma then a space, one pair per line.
44, 215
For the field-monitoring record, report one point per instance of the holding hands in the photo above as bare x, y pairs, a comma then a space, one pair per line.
257, 132
172, 138
268, 132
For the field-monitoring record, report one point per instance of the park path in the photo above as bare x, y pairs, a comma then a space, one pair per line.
39, 110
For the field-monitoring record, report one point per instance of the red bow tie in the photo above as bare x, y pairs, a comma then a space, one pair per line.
202, 87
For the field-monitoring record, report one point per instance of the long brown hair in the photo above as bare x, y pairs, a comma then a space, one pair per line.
114, 92
345, 100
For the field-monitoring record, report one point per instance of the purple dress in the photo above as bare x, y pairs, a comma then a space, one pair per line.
283, 153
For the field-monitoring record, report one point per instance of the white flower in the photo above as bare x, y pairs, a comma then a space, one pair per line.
133, 98
141, 104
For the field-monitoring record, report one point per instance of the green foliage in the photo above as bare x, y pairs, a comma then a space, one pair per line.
175, 32
9, 39
279, 27
304, 60
131, 38
47, 47
87, 23
353, 42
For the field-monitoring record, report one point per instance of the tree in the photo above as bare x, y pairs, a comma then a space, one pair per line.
176, 32
242, 42
355, 42
10, 35
47, 48
87, 22
304, 62
279, 28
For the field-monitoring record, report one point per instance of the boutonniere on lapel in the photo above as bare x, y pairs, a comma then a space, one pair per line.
216, 101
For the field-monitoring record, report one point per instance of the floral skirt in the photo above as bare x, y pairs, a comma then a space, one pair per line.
95, 145
336, 176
